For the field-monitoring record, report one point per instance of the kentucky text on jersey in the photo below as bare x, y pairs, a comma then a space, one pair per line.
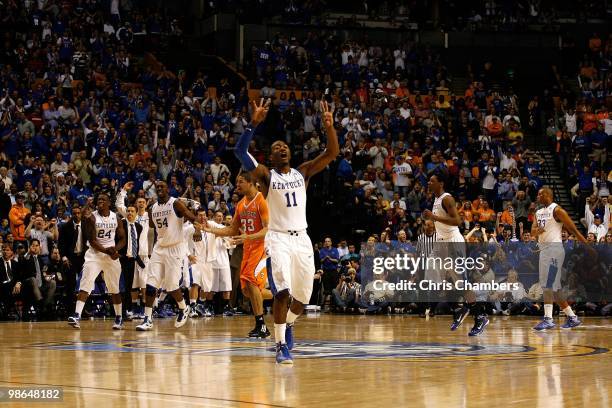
161, 213
287, 185
105, 225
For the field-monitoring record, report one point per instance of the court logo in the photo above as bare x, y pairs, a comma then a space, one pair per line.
405, 351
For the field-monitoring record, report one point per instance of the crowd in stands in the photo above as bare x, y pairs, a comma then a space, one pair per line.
80, 115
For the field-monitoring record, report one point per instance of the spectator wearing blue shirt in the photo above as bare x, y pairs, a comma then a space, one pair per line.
598, 144
330, 259
79, 192
345, 169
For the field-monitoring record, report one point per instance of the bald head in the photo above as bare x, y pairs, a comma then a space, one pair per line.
545, 196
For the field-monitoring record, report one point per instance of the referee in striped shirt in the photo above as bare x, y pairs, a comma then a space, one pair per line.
425, 241
425, 246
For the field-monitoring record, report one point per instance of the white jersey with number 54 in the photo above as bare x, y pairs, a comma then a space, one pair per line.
168, 225
287, 201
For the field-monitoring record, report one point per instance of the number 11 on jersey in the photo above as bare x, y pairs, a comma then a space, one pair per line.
289, 200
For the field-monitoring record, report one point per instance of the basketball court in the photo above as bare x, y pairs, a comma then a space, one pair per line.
339, 361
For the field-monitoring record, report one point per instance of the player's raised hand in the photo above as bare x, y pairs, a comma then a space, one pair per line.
128, 186
259, 111
327, 115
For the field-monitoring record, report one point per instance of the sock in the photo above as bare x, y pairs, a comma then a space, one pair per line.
259, 321
162, 296
137, 301
225, 303
569, 312
192, 301
79, 307
156, 302
117, 307
182, 304
148, 312
291, 317
548, 309
279, 332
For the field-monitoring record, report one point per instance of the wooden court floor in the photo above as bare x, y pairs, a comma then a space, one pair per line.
340, 361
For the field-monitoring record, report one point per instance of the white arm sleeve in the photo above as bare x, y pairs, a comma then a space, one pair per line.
120, 203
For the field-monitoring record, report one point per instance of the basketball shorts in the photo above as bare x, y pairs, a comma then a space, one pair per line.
452, 247
253, 267
551, 266
186, 271
290, 264
96, 262
202, 275
165, 267
140, 274
221, 279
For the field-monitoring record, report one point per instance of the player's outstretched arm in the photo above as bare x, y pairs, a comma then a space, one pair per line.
229, 231
184, 212
316, 165
569, 225
248, 162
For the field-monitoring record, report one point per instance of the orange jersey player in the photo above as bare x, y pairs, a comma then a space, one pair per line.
249, 227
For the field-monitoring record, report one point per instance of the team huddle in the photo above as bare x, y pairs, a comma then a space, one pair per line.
278, 259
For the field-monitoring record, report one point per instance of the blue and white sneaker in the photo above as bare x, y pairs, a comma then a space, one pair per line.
182, 317
571, 322
194, 312
547, 323
146, 325
209, 311
74, 321
283, 356
480, 323
118, 324
459, 317
289, 336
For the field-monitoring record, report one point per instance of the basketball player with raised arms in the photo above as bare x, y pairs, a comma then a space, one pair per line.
167, 216
252, 218
450, 243
548, 228
106, 237
290, 264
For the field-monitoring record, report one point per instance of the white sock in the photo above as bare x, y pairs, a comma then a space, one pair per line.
137, 301
548, 309
148, 312
117, 308
569, 312
156, 302
162, 296
181, 304
291, 317
279, 332
79, 307
192, 300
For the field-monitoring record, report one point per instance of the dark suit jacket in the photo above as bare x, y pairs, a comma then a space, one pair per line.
123, 251
67, 240
14, 271
26, 267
